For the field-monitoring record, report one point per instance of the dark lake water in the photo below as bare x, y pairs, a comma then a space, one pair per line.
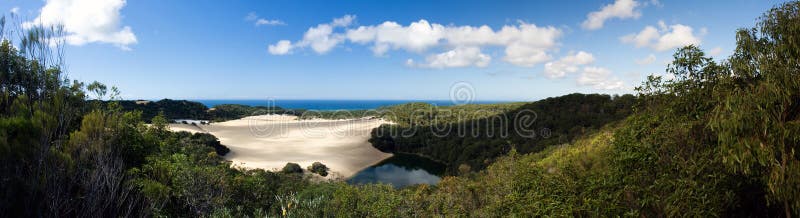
401, 170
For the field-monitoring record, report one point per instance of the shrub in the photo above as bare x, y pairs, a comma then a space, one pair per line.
292, 168
318, 168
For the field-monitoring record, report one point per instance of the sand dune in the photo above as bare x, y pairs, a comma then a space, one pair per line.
270, 141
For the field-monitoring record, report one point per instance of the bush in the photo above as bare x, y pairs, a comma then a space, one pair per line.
292, 168
211, 141
318, 168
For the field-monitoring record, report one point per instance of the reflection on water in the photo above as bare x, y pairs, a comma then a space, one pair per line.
401, 170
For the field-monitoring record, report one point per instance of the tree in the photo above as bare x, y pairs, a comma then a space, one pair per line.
758, 120
318, 168
292, 168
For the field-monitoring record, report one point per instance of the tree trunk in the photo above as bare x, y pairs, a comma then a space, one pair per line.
787, 209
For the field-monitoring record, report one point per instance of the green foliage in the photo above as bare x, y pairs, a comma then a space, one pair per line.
758, 117
171, 109
721, 137
292, 168
235, 111
363, 201
318, 168
474, 135
211, 141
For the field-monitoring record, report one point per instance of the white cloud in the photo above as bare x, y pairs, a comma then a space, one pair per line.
667, 38
527, 44
524, 44
258, 21
458, 57
262, 21
596, 77
662, 26
344, 21
87, 21
599, 78
567, 64
522, 55
622, 9
643, 38
715, 51
469, 35
417, 36
281, 48
320, 38
680, 35
647, 60
14, 10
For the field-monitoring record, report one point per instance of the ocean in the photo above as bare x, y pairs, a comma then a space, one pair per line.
329, 104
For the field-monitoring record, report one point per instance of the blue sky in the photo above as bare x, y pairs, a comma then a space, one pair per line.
380, 49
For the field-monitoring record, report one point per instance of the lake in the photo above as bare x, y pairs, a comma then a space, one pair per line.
401, 170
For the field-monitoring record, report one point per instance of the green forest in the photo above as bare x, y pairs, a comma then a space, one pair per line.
470, 137
718, 138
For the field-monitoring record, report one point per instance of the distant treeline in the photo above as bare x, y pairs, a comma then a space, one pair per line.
184, 109
472, 136
172, 109
225, 112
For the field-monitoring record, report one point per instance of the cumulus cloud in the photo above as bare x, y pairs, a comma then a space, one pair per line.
621, 9
524, 44
458, 57
668, 37
527, 44
87, 21
567, 64
417, 36
320, 38
344, 21
281, 48
646, 60
596, 77
599, 78
643, 38
258, 21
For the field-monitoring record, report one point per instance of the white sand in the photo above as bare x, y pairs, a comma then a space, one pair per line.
270, 141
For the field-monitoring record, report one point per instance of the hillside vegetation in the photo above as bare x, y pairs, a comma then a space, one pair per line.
172, 109
472, 136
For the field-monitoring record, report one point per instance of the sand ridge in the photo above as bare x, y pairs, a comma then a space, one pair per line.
270, 141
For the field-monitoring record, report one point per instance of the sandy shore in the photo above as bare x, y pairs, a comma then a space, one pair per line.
270, 141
